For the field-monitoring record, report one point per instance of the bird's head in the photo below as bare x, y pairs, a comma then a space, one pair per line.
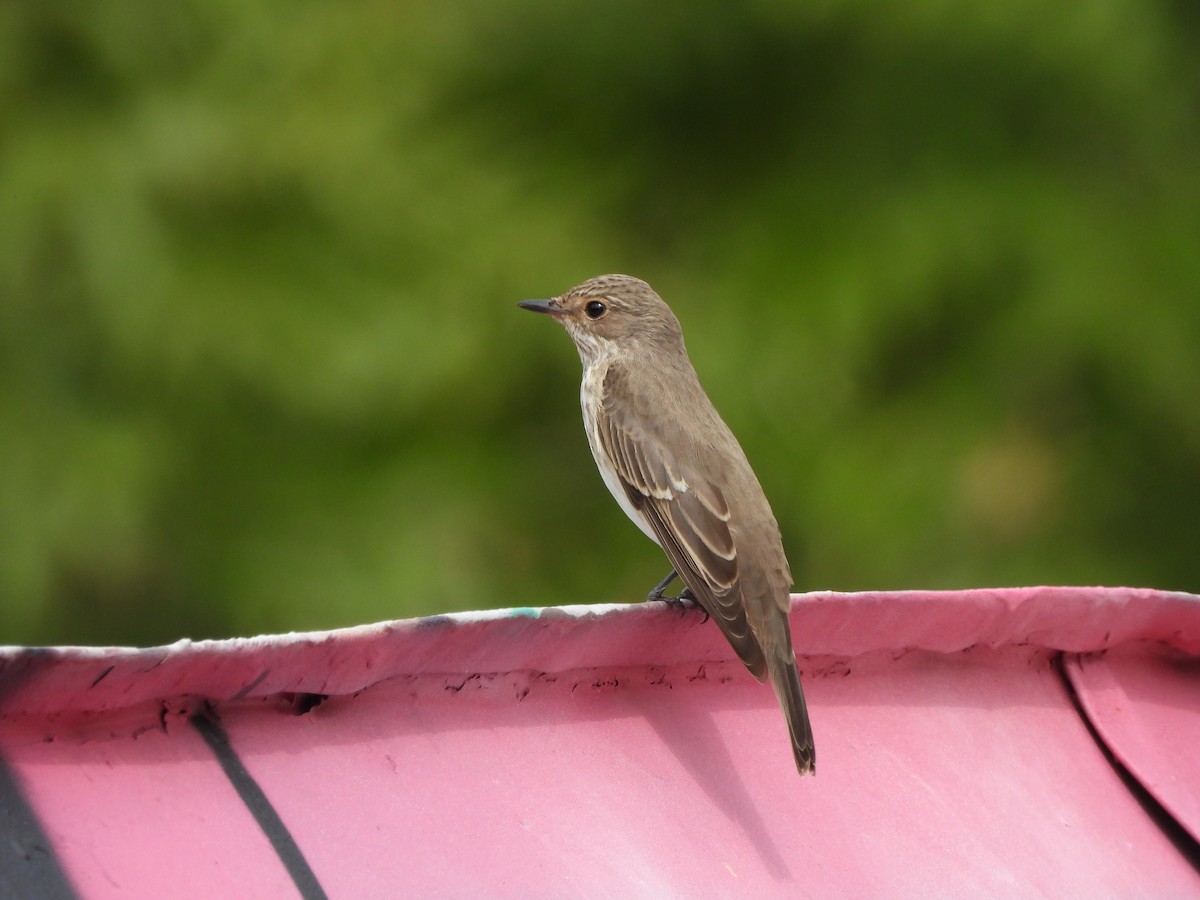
613, 314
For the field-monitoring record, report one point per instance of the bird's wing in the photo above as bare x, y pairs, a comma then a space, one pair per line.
686, 511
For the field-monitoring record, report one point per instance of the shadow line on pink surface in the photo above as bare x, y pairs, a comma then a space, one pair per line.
29, 865
692, 737
1158, 809
260, 807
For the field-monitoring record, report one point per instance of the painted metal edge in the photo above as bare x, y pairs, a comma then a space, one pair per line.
51, 680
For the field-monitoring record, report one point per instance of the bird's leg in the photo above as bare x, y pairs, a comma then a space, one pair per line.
657, 592
682, 602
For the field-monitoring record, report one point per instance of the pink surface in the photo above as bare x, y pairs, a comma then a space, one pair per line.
938, 775
142, 816
49, 680
620, 751
1144, 700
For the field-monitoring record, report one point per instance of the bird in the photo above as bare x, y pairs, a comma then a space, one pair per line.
680, 475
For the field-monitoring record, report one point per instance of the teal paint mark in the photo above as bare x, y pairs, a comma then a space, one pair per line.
527, 611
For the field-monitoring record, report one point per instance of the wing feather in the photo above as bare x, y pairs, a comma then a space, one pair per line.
689, 515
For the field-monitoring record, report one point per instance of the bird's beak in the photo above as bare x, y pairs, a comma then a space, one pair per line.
542, 306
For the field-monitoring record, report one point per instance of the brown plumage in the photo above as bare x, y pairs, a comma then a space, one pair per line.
678, 472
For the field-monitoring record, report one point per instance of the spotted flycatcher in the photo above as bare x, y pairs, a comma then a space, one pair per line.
678, 472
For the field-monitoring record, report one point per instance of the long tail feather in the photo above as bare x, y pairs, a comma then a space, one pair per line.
786, 682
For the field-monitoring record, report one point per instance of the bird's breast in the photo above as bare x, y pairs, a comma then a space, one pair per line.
591, 396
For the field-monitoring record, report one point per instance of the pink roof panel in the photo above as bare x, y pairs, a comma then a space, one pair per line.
1031, 742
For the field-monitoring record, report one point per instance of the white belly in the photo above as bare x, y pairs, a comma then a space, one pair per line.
593, 382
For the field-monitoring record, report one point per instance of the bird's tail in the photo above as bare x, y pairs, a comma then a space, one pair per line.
781, 667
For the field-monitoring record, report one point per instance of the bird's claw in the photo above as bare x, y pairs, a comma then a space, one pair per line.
685, 601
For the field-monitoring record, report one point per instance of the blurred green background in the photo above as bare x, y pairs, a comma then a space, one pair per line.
261, 368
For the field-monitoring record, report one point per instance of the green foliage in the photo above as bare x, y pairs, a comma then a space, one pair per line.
261, 367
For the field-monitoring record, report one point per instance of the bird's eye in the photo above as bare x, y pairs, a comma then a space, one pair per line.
595, 309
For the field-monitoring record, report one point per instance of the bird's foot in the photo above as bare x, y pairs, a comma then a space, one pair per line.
683, 602
656, 593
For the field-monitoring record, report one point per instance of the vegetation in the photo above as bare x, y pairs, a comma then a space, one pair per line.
261, 367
